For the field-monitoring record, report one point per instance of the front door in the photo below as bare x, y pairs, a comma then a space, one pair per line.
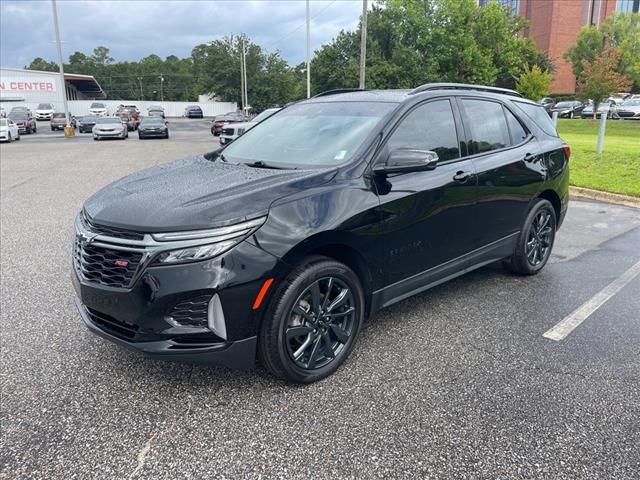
426, 215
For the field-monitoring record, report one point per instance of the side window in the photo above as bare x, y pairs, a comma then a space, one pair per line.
518, 133
487, 125
430, 126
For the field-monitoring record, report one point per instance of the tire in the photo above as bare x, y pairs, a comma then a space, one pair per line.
96, 138
535, 241
324, 342
18, 137
10, 138
166, 136
571, 115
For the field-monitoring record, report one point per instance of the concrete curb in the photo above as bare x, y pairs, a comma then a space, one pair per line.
627, 201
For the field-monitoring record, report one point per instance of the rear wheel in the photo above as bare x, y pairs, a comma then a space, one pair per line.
312, 322
535, 241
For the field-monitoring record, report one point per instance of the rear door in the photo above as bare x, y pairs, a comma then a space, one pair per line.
426, 215
509, 167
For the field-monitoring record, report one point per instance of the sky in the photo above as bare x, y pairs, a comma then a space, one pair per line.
133, 29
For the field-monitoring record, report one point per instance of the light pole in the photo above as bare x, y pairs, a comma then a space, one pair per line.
141, 94
363, 43
308, 52
67, 130
161, 88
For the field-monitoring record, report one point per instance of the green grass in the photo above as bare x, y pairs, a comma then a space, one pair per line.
617, 170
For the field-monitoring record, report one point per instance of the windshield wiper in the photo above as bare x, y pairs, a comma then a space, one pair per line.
261, 164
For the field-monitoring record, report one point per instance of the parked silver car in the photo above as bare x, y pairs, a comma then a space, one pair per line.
110, 127
629, 110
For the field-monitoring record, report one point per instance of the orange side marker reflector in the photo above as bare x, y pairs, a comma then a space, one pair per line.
263, 291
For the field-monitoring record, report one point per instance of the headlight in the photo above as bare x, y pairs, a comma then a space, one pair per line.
202, 244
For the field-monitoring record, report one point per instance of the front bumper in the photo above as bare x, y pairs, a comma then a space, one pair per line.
44, 116
109, 134
152, 133
142, 316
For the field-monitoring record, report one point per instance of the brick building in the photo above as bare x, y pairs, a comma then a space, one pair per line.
554, 25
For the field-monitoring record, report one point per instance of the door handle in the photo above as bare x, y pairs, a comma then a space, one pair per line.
529, 158
462, 176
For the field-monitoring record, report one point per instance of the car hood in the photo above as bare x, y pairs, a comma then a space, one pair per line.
196, 193
44, 111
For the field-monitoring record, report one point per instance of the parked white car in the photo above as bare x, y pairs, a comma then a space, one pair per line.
44, 111
98, 109
8, 130
231, 131
110, 127
629, 110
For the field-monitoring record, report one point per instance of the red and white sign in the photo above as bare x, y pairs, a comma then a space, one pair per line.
31, 85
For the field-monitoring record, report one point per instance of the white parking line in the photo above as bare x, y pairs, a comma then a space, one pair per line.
580, 314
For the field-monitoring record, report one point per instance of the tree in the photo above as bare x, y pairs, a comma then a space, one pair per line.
620, 31
534, 83
42, 65
598, 79
101, 56
417, 41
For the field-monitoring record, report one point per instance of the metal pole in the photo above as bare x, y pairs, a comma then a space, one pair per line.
363, 44
246, 89
161, 88
59, 46
242, 75
140, 81
554, 117
308, 52
603, 124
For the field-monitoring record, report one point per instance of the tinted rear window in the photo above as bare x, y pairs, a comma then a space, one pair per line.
539, 116
487, 125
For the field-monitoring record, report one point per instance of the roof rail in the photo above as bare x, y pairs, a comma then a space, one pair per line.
338, 90
463, 86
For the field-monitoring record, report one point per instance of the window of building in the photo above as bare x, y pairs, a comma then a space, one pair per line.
628, 6
430, 126
513, 6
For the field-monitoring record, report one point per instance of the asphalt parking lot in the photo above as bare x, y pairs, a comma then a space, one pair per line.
458, 382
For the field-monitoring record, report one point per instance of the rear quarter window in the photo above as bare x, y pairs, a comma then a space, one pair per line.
539, 116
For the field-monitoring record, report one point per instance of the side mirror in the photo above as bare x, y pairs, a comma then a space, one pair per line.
404, 160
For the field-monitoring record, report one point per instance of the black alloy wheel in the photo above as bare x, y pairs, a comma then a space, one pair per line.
312, 322
535, 241
320, 323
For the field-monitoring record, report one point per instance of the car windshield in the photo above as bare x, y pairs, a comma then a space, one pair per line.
313, 134
631, 103
109, 120
45, 106
155, 107
18, 116
152, 120
89, 118
565, 104
3, 123
264, 115
97, 105
58, 115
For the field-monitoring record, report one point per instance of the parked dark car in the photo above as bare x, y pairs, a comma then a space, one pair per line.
220, 120
86, 123
59, 121
571, 109
25, 122
194, 111
281, 243
547, 103
153, 127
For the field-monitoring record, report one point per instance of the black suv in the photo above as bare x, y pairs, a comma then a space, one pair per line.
282, 243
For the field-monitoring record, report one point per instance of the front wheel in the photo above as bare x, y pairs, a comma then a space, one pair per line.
535, 241
312, 323
10, 138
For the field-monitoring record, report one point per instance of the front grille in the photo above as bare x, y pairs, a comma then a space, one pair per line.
625, 114
113, 326
109, 231
98, 264
191, 312
227, 131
